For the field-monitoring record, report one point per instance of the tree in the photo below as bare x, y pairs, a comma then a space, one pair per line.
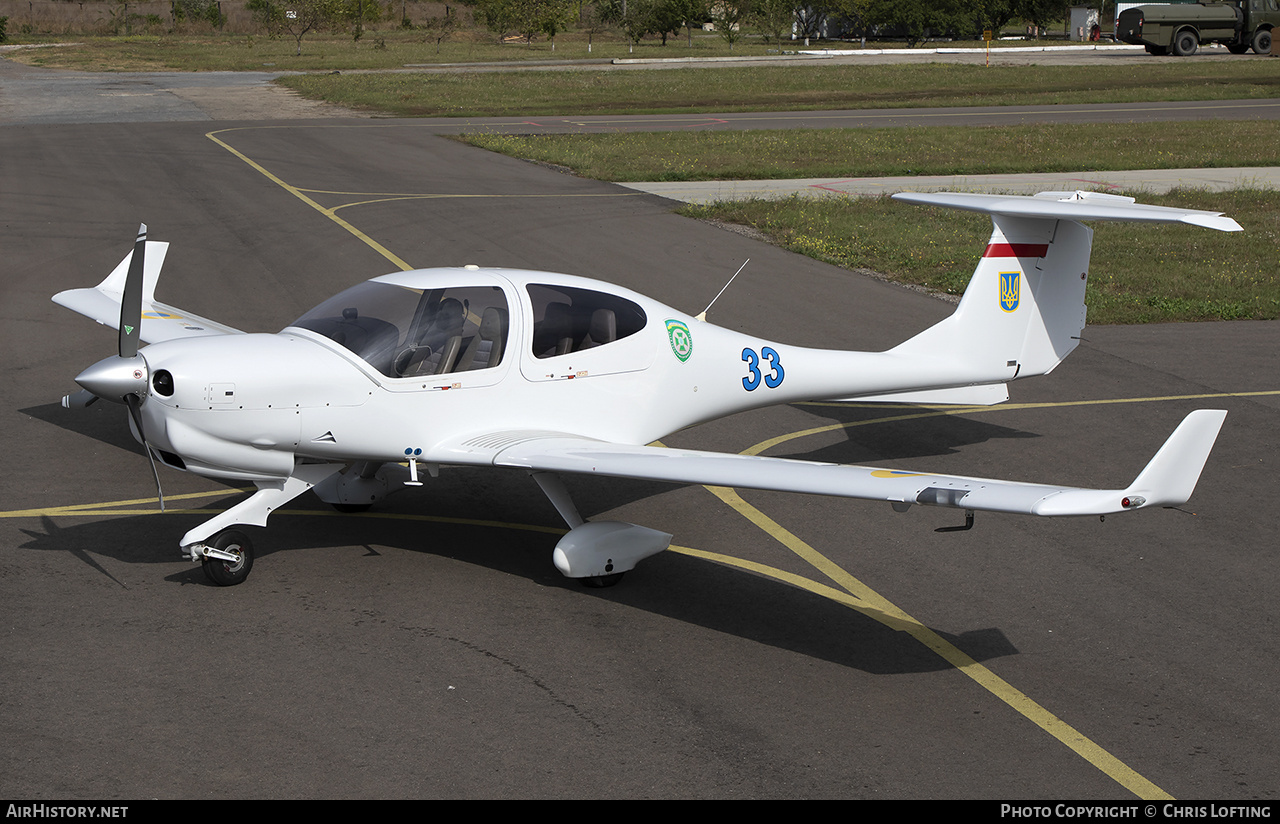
195, 11
551, 17
665, 17
728, 17
358, 12
439, 28
639, 18
1043, 12
503, 16
591, 20
773, 18
634, 17
857, 12
809, 21
994, 14
297, 18
696, 12
919, 20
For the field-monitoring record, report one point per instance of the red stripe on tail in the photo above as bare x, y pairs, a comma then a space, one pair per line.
1034, 250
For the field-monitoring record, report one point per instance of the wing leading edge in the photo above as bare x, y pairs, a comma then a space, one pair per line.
1167, 480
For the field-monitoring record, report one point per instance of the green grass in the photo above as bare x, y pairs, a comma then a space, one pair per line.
1139, 274
799, 153
787, 87
597, 90
257, 52
378, 49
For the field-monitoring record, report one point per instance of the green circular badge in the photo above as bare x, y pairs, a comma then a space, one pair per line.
681, 339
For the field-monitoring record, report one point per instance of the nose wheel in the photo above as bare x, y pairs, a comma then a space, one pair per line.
602, 581
228, 558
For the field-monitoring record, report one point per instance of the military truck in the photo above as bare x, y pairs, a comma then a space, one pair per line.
1180, 29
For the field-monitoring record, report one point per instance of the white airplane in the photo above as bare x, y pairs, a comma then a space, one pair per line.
559, 374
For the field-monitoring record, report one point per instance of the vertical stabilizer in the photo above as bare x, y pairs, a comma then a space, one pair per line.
1023, 310
1024, 307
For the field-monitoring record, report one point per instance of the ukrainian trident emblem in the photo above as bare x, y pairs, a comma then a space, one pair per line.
1010, 287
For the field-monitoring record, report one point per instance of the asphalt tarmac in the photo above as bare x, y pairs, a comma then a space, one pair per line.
429, 649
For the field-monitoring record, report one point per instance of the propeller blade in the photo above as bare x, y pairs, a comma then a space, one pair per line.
124, 378
131, 300
135, 412
79, 400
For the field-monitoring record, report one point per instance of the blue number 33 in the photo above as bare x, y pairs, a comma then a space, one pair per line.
772, 361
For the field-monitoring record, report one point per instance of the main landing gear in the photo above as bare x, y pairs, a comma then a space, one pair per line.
598, 553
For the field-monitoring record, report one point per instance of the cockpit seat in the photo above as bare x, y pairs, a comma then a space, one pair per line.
485, 349
603, 329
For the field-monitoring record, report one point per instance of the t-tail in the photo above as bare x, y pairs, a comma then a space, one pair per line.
1024, 309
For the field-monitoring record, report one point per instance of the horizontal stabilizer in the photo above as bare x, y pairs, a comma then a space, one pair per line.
1071, 206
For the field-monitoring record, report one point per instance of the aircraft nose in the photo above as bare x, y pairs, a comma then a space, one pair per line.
115, 377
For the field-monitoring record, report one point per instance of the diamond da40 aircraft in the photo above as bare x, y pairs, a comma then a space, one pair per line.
559, 374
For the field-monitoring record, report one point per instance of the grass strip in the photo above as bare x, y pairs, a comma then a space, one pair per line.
377, 49
937, 150
790, 87
1139, 274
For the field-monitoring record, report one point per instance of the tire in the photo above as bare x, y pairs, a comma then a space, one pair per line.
602, 581
352, 508
1185, 43
1238, 48
225, 573
1158, 51
1261, 41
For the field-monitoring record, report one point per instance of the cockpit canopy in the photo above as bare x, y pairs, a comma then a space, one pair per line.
405, 332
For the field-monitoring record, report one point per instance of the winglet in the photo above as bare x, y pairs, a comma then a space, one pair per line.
102, 302
1171, 476
153, 263
159, 321
1167, 480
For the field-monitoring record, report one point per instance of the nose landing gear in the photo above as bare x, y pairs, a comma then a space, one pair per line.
227, 558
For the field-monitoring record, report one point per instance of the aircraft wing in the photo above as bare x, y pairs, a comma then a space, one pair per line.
1168, 479
159, 320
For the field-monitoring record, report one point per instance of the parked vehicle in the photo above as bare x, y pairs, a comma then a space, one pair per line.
1182, 28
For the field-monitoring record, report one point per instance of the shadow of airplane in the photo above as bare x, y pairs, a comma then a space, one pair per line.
672, 585
708, 595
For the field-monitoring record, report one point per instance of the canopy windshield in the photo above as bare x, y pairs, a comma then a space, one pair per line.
406, 332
